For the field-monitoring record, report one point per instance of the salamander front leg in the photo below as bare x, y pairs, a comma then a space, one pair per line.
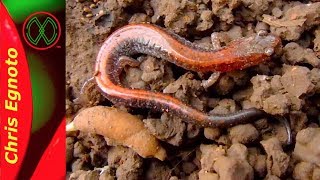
211, 80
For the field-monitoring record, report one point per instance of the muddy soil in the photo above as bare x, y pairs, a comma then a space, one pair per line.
288, 85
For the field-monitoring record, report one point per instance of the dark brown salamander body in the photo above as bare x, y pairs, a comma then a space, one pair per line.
155, 41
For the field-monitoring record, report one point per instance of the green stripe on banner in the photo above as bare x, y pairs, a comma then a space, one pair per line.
21, 9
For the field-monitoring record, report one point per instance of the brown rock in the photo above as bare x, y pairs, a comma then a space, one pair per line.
204, 175
303, 170
307, 147
244, 133
277, 160
232, 169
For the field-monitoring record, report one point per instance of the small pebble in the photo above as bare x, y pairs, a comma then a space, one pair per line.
92, 6
101, 12
277, 12
89, 15
86, 9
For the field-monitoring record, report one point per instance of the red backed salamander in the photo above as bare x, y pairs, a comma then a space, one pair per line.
155, 41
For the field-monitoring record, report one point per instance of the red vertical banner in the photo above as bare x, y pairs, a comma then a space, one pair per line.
15, 99
53, 156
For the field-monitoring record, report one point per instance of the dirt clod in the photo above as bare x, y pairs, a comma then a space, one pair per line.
307, 147
277, 160
243, 134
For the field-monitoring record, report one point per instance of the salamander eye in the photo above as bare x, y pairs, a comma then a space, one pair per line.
269, 51
262, 33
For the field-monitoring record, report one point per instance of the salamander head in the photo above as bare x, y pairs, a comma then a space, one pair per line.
261, 43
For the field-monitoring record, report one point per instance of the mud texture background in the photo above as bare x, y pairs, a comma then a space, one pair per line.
287, 85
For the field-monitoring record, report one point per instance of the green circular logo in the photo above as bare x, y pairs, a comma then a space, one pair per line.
41, 30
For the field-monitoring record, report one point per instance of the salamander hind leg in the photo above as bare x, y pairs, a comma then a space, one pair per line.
127, 61
124, 61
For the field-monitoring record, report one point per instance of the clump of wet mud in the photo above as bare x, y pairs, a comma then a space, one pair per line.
288, 85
